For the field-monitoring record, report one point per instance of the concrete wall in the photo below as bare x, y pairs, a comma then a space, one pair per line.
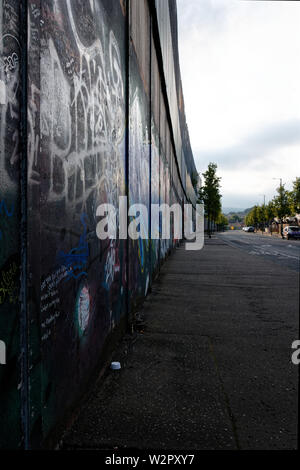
99, 125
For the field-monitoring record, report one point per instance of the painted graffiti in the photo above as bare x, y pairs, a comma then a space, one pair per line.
9, 95
139, 150
50, 301
88, 143
51, 282
75, 261
82, 115
4, 211
112, 266
139, 171
83, 309
8, 282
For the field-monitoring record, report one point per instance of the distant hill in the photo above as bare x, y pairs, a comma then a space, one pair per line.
237, 216
236, 210
246, 211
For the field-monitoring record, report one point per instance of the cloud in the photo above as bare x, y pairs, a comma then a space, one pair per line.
241, 72
255, 147
204, 15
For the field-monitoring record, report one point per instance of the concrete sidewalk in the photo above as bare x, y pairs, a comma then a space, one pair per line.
211, 365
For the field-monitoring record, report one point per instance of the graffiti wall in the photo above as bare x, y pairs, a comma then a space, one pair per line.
98, 127
76, 162
10, 366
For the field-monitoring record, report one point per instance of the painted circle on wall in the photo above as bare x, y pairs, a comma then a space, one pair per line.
83, 309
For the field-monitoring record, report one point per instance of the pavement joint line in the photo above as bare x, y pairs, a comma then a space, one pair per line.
235, 245
226, 397
239, 286
175, 333
239, 246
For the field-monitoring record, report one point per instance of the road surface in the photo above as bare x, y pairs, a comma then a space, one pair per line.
284, 252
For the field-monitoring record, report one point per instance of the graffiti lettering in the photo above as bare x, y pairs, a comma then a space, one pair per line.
50, 300
9, 63
8, 288
52, 281
82, 118
9, 107
2, 353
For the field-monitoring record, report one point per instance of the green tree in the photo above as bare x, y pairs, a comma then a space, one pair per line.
248, 218
252, 218
235, 218
294, 197
261, 216
209, 195
282, 204
270, 213
222, 222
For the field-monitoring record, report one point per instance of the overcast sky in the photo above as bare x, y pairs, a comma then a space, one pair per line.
240, 67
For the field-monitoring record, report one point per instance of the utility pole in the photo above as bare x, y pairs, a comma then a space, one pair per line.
264, 196
280, 179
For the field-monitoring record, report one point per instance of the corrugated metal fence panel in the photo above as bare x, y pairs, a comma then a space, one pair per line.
155, 85
139, 146
166, 39
155, 147
140, 34
162, 126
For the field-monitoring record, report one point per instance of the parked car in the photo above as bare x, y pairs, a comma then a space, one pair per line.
291, 232
248, 229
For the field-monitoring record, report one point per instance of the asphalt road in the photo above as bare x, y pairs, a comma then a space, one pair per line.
283, 252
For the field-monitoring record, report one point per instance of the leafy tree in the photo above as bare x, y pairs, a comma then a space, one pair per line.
253, 217
282, 202
222, 221
209, 195
235, 218
285, 203
294, 197
261, 216
270, 212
